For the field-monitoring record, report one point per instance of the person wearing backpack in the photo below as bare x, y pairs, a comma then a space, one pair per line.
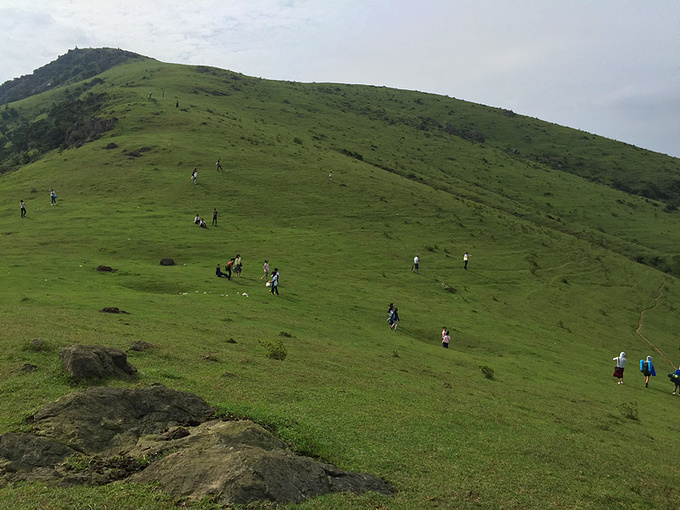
675, 378
647, 369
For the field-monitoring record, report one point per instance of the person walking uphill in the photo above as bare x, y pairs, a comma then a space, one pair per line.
466, 257
214, 217
647, 369
23, 209
53, 197
620, 364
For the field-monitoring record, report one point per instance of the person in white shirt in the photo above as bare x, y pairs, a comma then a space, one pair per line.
620, 365
416, 264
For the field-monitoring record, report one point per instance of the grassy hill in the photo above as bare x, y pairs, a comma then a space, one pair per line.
562, 265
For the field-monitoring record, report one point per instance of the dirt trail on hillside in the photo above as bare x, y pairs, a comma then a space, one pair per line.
640, 321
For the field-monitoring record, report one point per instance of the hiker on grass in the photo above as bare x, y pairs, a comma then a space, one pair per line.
620, 364
214, 217
197, 219
219, 165
446, 339
647, 369
194, 176
392, 316
230, 265
415, 268
53, 197
219, 273
466, 257
202, 223
275, 282
265, 268
238, 265
395, 319
675, 378
23, 209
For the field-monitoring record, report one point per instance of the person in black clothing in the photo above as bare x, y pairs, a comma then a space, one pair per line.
23, 209
275, 282
219, 273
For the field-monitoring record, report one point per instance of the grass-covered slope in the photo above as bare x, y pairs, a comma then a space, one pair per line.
554, 289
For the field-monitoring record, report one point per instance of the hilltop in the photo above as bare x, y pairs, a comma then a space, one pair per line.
74, 66
522, 410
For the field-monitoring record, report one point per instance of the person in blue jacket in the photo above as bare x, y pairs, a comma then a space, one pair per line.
647, 369
675, 378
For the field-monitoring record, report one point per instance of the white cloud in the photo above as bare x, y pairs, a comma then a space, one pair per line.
608, 66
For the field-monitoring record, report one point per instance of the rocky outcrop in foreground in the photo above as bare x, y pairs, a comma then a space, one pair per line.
155, 434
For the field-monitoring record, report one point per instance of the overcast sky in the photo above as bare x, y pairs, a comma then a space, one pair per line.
609, 67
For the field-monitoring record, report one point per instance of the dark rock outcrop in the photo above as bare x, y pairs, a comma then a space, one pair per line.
95, 362
159, 435
238, 462
140, 346
105, 420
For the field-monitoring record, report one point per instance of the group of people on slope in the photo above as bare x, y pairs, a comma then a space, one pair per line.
234, 265
415, 267
647, 369
22, 204
194, 174
272, 283
201, 222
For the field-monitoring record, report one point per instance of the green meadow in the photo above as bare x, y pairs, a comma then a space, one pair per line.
521, 412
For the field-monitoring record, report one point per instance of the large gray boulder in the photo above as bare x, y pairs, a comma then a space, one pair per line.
238, 462
27, 457
95, 362
103, 420
23, 452
159, 435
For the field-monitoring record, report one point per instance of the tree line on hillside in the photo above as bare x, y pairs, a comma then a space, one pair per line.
76, 65
69, 122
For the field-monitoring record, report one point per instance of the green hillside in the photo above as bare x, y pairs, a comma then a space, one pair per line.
567, 249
